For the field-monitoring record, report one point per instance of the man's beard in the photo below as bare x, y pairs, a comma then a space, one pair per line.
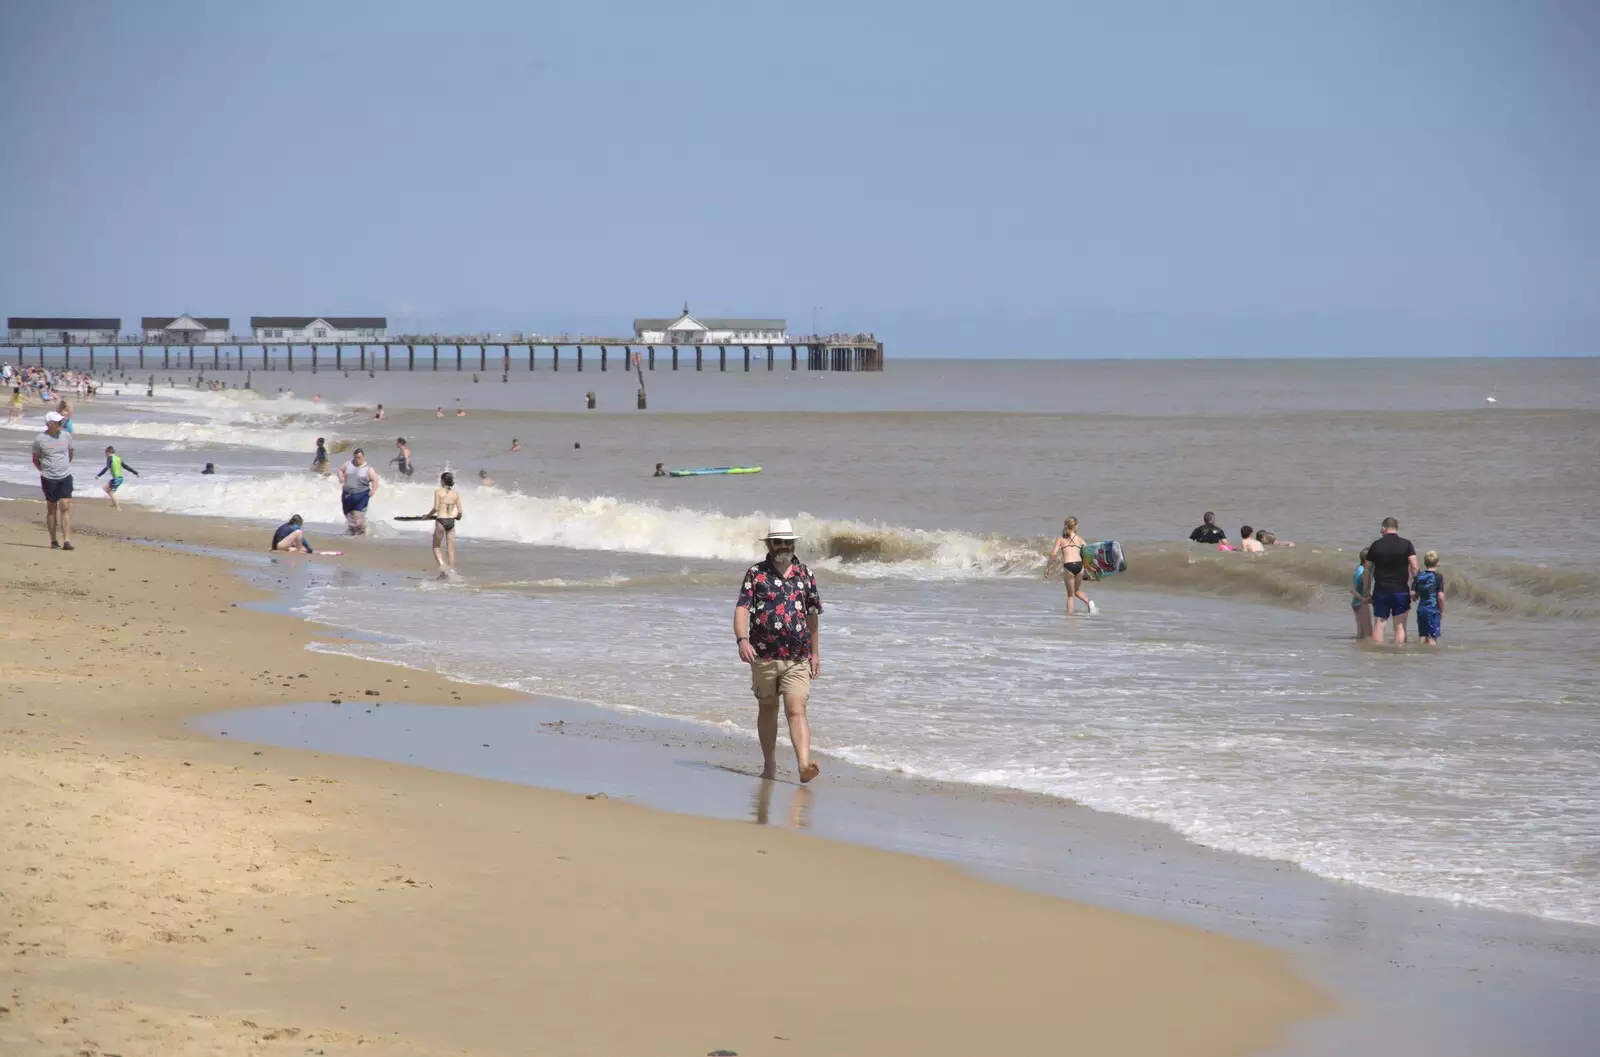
782, 559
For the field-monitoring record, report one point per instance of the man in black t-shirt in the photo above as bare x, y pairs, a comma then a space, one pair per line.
1390, 568
1208, 533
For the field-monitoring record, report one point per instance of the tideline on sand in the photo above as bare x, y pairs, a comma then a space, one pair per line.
1222, 699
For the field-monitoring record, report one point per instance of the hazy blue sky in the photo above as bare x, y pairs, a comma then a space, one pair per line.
1126, 178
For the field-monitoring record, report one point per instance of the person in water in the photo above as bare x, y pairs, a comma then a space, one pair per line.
402, 460
777, 629
211, 468
115, 466
289, 536
1069, 545
661, 470
319, 461
1427, 591
1360, 604
1248, 542
1268, 539
1391, 566
358, 483
447, 510
1208, 532
516, 445
484, 479
379, 415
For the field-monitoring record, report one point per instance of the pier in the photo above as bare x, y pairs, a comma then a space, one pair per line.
815, 353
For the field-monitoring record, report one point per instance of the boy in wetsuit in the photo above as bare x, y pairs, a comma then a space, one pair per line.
1427, 591
115, 465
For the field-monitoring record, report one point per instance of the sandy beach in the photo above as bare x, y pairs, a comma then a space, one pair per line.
170, 893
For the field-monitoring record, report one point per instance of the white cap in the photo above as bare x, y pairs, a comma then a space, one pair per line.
779, 529
54, 416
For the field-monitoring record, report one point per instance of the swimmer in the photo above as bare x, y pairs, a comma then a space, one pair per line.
661, 470
1270, 540
319, 461
402, 461
115, 465
461, 412
438, 412
1248, 542
211, 467
289, 536
516, 445
484, 479
447, 510
379, 415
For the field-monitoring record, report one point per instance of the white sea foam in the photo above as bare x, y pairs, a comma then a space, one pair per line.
602, 523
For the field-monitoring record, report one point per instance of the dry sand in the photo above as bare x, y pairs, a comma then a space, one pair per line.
165, 893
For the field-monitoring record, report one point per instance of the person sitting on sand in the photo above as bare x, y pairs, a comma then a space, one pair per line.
289, 536
661, 470
1248, 542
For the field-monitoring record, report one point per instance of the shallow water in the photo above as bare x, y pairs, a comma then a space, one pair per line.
1217, 693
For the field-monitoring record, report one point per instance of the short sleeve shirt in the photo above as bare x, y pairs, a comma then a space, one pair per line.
1390, 556
1208, 534
55, 456
778, 607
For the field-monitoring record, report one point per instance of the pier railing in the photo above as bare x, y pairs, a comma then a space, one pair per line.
830, 353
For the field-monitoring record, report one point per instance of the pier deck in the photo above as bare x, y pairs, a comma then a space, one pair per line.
840, 353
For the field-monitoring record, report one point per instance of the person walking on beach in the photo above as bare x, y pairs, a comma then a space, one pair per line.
1391, 566
1208, 532
1360, 603
776, 626
1070, 546
358, 483
114, 466
1427, 590
52, 457
447, 510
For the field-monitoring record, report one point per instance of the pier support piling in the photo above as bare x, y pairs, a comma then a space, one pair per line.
722, 357
580, 359
746, 359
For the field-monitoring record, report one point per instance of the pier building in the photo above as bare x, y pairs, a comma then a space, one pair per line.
62, 330
184, 329
312, 330
689, 330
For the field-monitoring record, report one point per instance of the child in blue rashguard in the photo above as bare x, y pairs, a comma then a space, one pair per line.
1427, 590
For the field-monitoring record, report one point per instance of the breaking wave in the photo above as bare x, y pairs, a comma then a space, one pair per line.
1299, 578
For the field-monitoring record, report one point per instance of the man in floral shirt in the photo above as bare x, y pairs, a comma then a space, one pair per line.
775, 625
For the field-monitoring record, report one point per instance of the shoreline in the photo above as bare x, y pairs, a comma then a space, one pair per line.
190, 895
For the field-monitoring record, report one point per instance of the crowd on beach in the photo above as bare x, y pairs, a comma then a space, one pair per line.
24, 383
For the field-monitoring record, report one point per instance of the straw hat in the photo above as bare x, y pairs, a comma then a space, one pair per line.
779, 529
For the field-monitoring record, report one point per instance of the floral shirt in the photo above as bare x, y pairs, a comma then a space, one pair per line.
778, 607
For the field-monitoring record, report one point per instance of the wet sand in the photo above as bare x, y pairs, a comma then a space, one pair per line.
169, 892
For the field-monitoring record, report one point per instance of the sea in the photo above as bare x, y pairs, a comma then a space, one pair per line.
1221, 694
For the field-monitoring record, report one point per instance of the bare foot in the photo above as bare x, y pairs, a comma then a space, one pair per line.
810, 772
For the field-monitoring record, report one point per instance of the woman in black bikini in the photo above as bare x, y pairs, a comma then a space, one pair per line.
446, 512
1070, 546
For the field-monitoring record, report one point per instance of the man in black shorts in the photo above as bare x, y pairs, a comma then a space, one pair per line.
1390, 568
1208, 532
52, 457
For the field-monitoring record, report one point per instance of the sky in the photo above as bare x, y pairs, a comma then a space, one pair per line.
1295, 178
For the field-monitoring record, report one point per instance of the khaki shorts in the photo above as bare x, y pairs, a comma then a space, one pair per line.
790, 678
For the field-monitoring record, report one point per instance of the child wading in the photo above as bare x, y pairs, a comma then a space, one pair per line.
1428, 592
115, 466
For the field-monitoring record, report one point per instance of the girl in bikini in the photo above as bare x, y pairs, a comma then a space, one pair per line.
1070, 546
447, 510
